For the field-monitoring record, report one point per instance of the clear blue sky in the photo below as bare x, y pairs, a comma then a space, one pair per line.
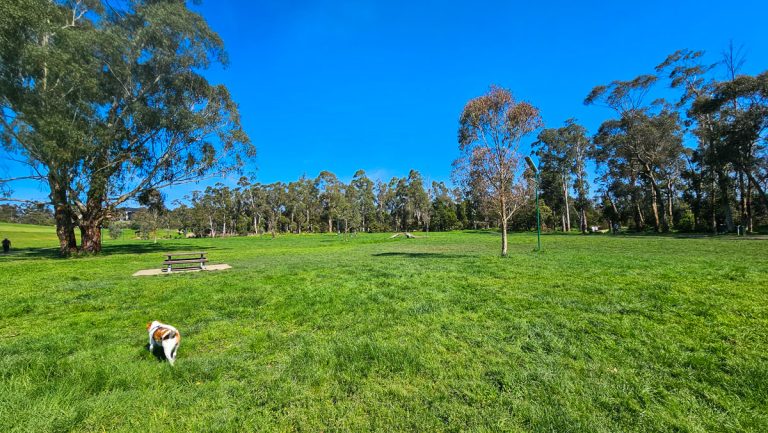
379, 85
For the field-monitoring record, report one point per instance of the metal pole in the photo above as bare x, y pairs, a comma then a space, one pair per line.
538, 215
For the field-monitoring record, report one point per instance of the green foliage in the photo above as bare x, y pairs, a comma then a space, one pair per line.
115, 231
686, 222
107, 102
38, 214
562, 155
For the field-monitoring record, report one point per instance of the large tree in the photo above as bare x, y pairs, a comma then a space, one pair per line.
491, 127
103, 102
645, 139
331, 195
740, 109
363, 199
562, 154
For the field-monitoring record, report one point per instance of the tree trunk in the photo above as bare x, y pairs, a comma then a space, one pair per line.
742, 201
615, 209
504, 236
65, 230
503, 212
670, 202
583, 219
639, 218
330, 224
567, 206
760, 190
65, 227
90, 236
725, 199
655, 210
749, 208
659, 218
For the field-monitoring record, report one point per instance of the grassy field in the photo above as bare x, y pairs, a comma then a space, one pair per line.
314, 333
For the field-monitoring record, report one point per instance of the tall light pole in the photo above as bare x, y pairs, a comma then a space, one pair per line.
538, 217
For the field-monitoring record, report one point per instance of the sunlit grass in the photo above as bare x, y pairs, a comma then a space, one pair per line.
318, 333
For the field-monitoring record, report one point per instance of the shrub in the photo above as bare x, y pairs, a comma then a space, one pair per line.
687, 222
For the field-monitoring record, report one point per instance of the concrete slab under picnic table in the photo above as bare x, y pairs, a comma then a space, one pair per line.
156, 271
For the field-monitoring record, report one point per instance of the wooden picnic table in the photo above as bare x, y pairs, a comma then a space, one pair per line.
185, 260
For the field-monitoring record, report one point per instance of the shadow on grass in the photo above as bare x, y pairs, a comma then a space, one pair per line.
421, 255
107, 250
31, 253
159, 248
483, 232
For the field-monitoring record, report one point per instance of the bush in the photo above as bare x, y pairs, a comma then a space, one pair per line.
687, 222
115, 231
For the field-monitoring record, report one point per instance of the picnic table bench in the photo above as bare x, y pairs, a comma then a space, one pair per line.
185, 260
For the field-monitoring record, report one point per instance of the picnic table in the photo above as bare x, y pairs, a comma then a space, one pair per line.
185, 261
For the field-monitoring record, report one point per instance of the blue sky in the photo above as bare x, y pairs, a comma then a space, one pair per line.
379, 85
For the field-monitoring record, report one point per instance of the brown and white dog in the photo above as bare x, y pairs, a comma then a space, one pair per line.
163, 340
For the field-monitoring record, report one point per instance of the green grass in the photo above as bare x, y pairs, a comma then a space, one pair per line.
313, 333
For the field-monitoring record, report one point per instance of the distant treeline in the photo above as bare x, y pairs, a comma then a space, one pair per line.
326, 204
39, 214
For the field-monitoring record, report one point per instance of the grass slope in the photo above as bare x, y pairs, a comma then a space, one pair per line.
312, 333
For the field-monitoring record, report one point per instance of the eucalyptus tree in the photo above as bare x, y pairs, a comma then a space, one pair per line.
643, 145
491, 127
308, 203
113, 103
418, 202
563, 152
551, 148
443, 210
254, 197
349, 212
274, 201
48, 80
740, 110
363, 198
646, 138
331, 194
293, 206
688, 73
398, 206
154, 203
383, 204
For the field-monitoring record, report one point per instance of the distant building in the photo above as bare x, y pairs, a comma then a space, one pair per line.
126, 213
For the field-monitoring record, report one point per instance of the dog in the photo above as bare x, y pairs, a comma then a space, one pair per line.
163, 341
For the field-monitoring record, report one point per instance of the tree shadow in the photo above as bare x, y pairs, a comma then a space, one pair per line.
160, 248
413, 255
495, 232
31, 253
107, 250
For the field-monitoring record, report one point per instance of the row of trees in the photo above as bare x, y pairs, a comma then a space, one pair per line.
647, 176
38, 214
713, 183
325, 204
